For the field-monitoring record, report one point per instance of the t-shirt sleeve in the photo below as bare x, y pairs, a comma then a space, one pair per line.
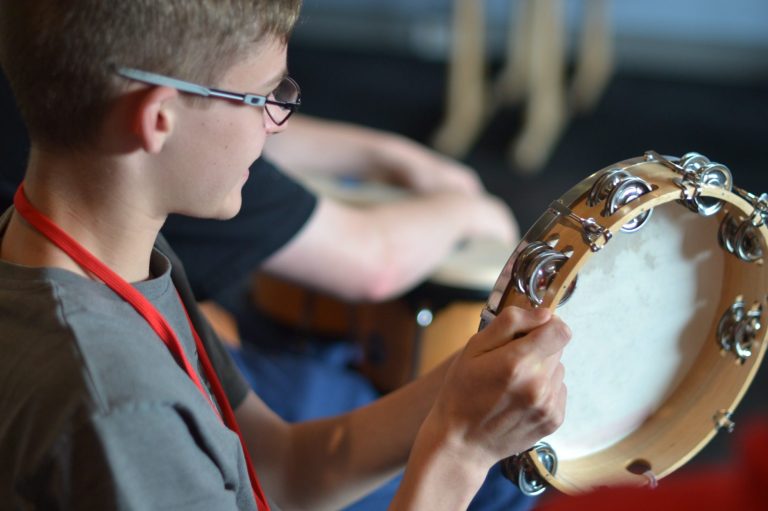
216, 254
146, 456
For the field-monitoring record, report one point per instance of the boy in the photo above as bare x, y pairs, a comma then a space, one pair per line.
106, 395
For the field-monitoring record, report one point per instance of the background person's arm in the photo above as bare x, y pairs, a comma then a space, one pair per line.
318, 147
378, 252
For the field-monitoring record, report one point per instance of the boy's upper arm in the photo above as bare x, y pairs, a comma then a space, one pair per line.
268, 438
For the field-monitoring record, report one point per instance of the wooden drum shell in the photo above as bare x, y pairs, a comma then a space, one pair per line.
687, 420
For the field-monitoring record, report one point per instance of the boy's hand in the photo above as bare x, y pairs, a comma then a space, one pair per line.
505, 391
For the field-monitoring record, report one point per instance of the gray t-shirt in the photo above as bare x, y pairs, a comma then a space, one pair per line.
95, 413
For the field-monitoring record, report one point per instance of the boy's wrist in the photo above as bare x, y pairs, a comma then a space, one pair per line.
443, 471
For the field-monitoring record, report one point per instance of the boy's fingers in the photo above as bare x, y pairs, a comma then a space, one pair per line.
546, 340
511, 322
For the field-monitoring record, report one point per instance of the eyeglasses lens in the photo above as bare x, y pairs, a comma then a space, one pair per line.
287, 92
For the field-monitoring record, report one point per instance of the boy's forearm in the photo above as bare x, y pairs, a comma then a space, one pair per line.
333, 462
437, 478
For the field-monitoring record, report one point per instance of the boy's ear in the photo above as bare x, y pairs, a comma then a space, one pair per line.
153, 119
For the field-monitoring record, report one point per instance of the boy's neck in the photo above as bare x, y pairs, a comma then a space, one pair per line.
101, 208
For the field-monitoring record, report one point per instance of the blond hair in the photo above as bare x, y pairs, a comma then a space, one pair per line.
57, 53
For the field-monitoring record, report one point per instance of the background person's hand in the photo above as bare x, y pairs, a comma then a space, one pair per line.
419, 168
493, 219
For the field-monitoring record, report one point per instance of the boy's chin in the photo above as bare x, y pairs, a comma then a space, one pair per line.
225, 211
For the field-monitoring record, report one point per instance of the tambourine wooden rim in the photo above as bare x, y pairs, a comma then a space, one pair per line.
702, 403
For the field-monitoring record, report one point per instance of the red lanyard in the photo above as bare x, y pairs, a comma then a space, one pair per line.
156, 321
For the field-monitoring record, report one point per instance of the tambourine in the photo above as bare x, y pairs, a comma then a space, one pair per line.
657, 264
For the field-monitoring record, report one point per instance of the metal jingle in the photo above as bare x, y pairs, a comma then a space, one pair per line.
741, 239
605, 184
638, 222
520, 469
530, 484
717, 175
625, 192
760, 214
524, 260
743, 338
737, 329
727, 324
541, 275
727, 233
747, 243
547, 456
693, 161
533, 271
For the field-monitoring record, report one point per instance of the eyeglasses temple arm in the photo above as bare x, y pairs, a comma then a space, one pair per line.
165, 81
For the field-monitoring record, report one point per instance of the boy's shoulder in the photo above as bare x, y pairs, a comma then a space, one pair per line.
77, 364
61, 332
58, 333
54, 319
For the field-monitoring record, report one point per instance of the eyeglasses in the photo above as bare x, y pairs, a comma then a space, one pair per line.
279, 104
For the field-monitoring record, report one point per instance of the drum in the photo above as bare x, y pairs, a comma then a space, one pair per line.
407, 337
402, 338
657, 264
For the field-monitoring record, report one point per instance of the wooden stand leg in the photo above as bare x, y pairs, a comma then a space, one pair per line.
466, 95
595, 59
512, 83
545, 112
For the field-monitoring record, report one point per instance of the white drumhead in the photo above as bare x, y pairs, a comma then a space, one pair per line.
642, 309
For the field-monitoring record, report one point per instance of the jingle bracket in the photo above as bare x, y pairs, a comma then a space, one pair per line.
697, 172
737, 329
520, 468
722, 419
591, 231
